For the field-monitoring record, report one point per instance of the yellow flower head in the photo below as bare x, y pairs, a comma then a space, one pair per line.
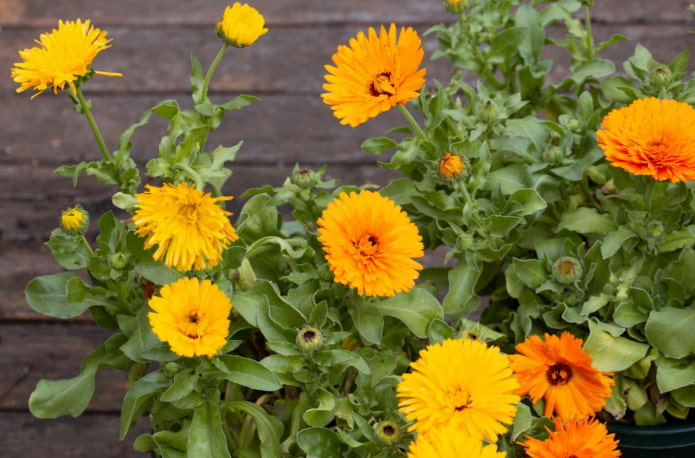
370, 243
74, 220
374, 73
188, 226
651, 137
463, 383
192, 316
561, 372
576, 438
241, 25
450, 166
449, 441
64, 57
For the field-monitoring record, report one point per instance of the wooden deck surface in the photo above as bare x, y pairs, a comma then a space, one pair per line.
152, 40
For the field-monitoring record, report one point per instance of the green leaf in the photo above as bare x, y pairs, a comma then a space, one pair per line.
615, 240
525, 202
239, 102
596, 68
416, 309
586, 221
670, 330
155, 271
184, 382
143, 345
676, 240
368, 321
378, 145
268, 427
324, 413
206, 437
319, 443
612, 354
63, 295
69, 251
674, 374
461, 296
247, 372
136, 400
531, 272
328, 358
53, 398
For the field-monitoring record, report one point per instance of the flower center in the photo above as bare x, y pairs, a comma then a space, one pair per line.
559, 374
189, 211
656, 150
382, 84
367, 246
191, 325
459, 398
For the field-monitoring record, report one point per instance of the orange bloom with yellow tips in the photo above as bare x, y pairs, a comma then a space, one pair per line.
560, 372
651, 137
465, 384
370, 243
450, 166
374, 73
574, 439
65, 56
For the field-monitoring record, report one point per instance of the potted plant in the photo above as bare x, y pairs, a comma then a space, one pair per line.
559, 213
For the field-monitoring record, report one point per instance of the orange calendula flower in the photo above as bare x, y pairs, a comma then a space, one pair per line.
192, 316
651, 137
241, 25
374, 74
574, 439
450, 166
462, 383
370, 243
559, 371
452, 442
188, 227
65, 56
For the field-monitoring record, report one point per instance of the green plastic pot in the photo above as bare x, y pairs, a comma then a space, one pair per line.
676, 441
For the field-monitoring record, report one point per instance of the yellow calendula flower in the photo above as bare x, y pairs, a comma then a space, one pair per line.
241, 25
450, 166
74, 220
65, 55
462, 383
449, 441
188, 227
370, 243
192, 316
374, 74
576, 438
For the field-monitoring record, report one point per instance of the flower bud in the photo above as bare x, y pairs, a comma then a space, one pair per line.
567, 269
655, 228
74, 221
171, 368
660, 75
488, 111
309, 339
451, 166
304, 178
456, 6
241, 25
387, 433
118, 261
464, 241
246, 277
554, 155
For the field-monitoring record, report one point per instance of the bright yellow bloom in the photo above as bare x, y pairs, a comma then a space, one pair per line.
450, 166
561, 372
241, 25
370, 243
74, 220
463, 383
188, 226
64, 57
192, 316
374, 74
574, 439
651, 137
448, 441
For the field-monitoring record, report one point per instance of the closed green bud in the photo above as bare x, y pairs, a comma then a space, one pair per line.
554, 155
304, 178
464, 241
118, 261
567, 270
171, 368
245, 276
655, 229
309, 339
387, 433
488, 111
74, 221
660, 75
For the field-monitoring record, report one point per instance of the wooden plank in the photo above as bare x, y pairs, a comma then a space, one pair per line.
89, 436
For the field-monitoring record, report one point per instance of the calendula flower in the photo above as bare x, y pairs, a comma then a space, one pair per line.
74, 220
450, 166
188, 227
65, 56
374, 73
370, 243
449, 441
559, 371
567, 270
574, 439
192, 316
241, 25
463, 383
651, 137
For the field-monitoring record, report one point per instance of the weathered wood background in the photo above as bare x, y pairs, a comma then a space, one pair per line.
152, 42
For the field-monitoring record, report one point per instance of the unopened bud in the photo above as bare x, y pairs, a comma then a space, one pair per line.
246, 277
304, 178
74, 221
464, 241
655, 229
488, 111
387, 433
118, 261
309, 339
660, 75
567, 270
451, 166
554, 155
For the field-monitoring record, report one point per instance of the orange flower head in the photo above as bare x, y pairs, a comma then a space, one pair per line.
370, 243
575, 438
451, 166
374, 74
465, 384
559, 371
651, 137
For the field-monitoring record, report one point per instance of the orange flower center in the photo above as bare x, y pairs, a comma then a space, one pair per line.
656, 150
459, 398
559, 374
367, 246
191, 326
382, 84
189, 211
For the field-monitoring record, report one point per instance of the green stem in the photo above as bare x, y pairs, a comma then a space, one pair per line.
87, 245
211, 70
411, 121
588, 37
199, 184
92, 124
